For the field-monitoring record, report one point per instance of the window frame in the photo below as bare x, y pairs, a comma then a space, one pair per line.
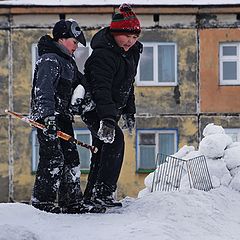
84, 131
35, 154
223, 59
89, 52
155, 81
34, 57
156, 131
230, 131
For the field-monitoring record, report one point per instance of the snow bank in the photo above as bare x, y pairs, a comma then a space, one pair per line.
222, 156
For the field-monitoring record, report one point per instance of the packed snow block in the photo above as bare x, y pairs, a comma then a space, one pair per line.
219, 172
231, 157
213, 146
235, 171
235, 183
211, 129
184, 151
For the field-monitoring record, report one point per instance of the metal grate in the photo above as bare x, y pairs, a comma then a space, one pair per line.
169, 171
198, 174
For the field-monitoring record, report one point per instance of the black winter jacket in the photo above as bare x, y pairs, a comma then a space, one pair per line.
55, 77
110, 73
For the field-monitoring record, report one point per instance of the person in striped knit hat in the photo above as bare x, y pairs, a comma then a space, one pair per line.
110, 73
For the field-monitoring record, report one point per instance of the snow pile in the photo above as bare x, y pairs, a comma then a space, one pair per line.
178, 215
222, 156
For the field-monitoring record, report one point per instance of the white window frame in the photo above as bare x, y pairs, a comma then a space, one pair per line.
223, 59
89, 52
34, 57
35, 154
156, 132
233, 131
154, 82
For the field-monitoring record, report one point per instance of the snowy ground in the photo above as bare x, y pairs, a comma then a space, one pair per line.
188, 214
183, 215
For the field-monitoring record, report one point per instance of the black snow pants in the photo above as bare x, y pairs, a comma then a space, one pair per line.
106, 164
58, 172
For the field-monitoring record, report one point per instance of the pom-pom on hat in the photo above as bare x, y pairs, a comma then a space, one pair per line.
125, 21
68, 29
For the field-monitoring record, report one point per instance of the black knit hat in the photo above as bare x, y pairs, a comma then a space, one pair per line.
68, 29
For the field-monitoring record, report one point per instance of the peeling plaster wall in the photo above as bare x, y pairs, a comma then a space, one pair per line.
4, 96
226, 121
159, 100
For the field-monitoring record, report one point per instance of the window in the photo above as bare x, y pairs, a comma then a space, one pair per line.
84, 135
234, 133
35, 151
84, 154
158, 65
229, 64
81, 54
152, 142
34, 57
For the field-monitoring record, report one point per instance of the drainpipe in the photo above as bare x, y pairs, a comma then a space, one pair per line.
10, 121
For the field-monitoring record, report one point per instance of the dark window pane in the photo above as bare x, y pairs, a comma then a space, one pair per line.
147, 139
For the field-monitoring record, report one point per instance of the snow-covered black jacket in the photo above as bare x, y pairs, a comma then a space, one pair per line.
55, 77
110, 73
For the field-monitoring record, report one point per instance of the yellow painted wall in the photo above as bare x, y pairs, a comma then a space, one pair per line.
161, 100
4, 96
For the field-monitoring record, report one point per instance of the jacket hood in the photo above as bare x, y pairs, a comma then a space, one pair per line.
46, 44
104, 39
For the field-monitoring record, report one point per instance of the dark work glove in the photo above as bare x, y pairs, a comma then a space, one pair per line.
106, 131
77, 107
50, 129
83, 105
128, 122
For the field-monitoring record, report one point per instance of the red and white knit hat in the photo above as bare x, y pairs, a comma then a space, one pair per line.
125, 21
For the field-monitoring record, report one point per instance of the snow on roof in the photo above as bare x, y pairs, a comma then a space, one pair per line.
117, 2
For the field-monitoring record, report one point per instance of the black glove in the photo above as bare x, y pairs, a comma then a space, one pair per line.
83, 105
50, 129
77, 107
128, 122
106, 131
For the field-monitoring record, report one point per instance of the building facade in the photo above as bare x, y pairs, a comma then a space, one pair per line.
188, 76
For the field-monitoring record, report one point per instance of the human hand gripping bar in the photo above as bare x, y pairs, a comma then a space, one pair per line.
60, 134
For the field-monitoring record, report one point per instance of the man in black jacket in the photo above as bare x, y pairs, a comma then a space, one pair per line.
110, 72
57, 184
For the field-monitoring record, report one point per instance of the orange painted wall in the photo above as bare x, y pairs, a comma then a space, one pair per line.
213, 97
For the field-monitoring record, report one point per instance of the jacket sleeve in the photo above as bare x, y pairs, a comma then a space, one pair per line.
45, 86
130, 106
100, 69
